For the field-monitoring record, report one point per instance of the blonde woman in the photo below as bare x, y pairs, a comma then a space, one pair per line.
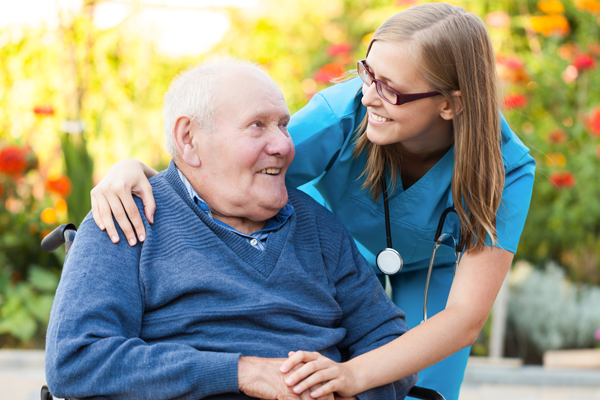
423, 115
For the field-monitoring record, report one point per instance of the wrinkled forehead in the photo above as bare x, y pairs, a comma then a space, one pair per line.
243, 90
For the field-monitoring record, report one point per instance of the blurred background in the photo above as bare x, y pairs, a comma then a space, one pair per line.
81, 87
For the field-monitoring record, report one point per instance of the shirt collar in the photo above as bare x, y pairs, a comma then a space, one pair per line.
273, 223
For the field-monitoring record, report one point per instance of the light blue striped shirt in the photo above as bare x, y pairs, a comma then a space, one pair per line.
256, 239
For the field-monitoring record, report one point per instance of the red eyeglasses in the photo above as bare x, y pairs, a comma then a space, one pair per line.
387, 93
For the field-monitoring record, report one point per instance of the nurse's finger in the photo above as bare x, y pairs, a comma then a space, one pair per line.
105, 220
121, 217
296, 358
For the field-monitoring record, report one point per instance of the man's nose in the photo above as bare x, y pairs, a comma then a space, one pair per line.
370, 95
280, 143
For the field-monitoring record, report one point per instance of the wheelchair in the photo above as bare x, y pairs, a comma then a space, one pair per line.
65, 234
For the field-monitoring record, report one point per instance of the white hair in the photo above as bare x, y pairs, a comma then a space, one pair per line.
192, 94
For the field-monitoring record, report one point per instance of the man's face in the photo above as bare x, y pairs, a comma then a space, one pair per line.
243, 162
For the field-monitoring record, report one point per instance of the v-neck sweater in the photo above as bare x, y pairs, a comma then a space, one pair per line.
170, 317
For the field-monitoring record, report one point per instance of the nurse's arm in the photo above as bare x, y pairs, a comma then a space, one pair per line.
475, 287
113, 195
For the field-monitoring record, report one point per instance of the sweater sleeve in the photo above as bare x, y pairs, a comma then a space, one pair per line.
93, 345
370, 318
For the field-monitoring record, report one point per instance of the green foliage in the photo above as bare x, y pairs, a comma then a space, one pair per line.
560, 77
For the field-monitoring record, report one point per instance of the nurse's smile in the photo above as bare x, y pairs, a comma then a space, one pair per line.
377, 120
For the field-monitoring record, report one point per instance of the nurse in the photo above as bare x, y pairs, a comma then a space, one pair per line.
423, 115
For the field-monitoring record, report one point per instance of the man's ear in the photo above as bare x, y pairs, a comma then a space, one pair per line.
446, 110
185, 144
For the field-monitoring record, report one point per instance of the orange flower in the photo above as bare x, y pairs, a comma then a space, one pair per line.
515, 101
1, 189
12, 160
562, 179
551, 6
497, 19
44, 233
598, 151
593, 121
48, 216
584, 62
557, 136
592, 6
329, 72
43, 111
548, 25
567, 50
60, 185
341, 48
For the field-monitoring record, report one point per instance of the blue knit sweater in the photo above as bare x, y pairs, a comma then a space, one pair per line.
169, 318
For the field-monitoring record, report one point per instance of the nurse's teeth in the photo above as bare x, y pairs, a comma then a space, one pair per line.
271, 171
379, 118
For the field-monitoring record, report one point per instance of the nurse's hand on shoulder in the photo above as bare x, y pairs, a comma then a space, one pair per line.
113, 196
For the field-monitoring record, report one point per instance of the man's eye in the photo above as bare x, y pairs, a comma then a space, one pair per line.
256, 124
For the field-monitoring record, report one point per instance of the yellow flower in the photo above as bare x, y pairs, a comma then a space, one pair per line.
367, 38
592, 6
550, 24
556, 160
60, 206
48, 216
551, 6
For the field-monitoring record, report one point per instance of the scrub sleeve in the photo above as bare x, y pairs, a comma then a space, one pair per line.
324, 134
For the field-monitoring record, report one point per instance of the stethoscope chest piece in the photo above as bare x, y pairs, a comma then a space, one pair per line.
389, 261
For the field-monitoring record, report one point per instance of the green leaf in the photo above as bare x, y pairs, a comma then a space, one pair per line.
19, 324
43, 279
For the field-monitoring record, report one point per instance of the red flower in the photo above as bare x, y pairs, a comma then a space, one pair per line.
341, 48
584, 62
1, 189
562, 179
514, 101
557, 136
593, 122
12, 160
329, 72
60, 185
43, 111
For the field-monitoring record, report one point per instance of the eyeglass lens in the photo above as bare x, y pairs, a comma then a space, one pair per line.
384, 90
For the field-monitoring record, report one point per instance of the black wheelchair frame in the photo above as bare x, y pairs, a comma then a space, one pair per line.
65, 234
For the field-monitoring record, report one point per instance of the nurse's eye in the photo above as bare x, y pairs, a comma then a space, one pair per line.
388, 91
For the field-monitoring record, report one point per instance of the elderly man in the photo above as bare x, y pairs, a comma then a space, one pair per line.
235, 272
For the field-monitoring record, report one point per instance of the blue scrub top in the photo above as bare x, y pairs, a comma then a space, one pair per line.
324, 135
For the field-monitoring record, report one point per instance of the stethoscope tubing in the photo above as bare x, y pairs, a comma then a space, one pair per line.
384, 256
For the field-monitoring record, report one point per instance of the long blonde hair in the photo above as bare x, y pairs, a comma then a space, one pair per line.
454, 52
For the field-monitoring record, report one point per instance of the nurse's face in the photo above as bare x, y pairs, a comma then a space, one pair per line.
417, 125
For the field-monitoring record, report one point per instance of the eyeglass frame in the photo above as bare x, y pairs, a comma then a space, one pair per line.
400, 98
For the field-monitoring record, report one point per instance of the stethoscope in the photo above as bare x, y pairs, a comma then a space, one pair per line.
389, 260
